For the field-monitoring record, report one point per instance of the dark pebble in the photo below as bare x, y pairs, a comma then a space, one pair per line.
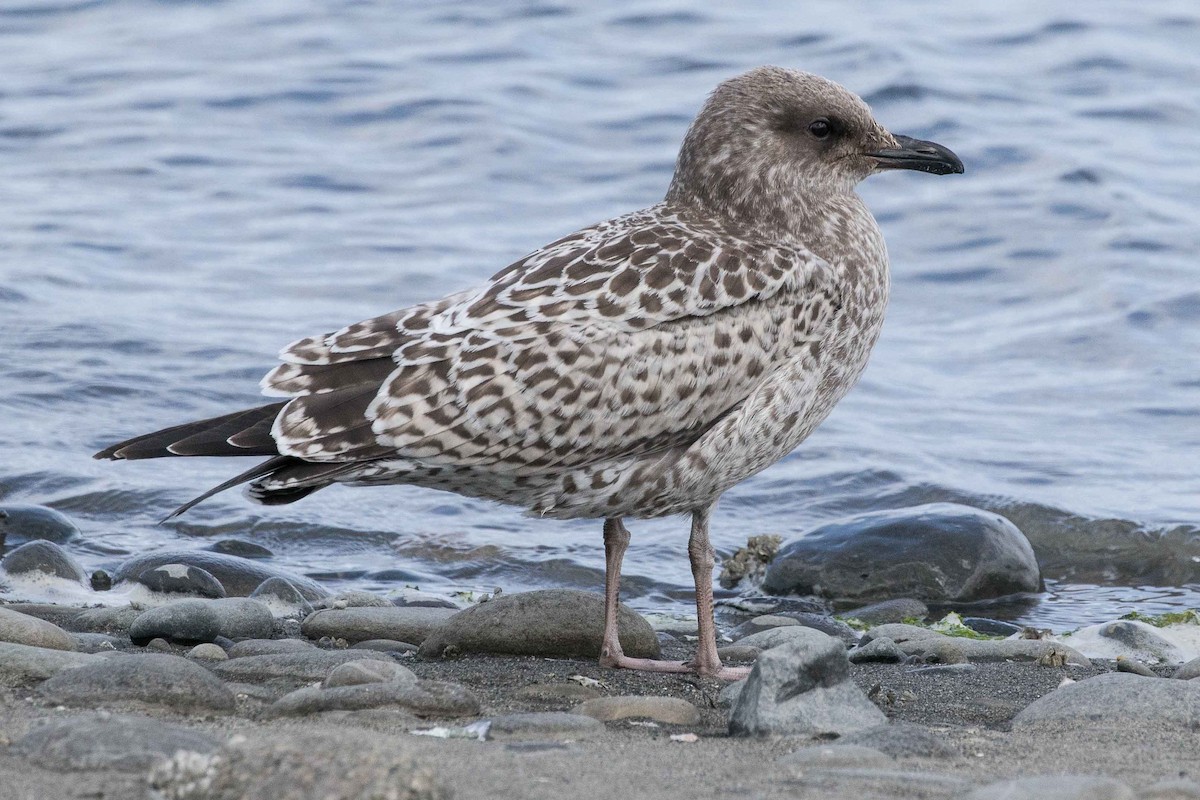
991, 627
181, 579
101, 581
240, 548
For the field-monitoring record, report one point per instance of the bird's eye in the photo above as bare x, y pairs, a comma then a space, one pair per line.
820, 128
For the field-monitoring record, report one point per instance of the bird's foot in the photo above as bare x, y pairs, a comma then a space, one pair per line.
622, 661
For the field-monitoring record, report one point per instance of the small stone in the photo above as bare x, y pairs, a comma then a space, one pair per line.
308, 665
242, 618
100, 642
1055, 787
26, 523
729, 694
902, 740
384, 646
1115, 700
826, 756
738, 653
239, 576
20, 663
774, 637
267, 647
877, 651
115, 619
668, 710
182, 621
991, 627
108, 742
163, 680
1127, 664
40, 559
24, 629
543, 725
761, 623
283, 599
101, 581
895, 610
363, 623
565, 693
158, 645
353, 599
412, 598
240, 548
353, 673
181, 579
424, 698
1188, 670
915, 640
207, 652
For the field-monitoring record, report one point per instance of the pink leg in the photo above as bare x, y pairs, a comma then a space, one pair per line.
707, 663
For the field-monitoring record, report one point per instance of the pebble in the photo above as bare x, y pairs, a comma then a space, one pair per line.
565, 693
353, 599
307, 665
207, 652
282, 598
902, 740
991, 627
363, 623
1055, 787
100, 642
181, 579
1115, 700
20, 663
761, 623
239, 548
548, 622
243, 618
62, 616
385, 646
423, 698
164, 680
914, 640
107, 741
774, 637
354, 673
835, 755
1188, 670
668, 710
802, 687
881, 650
26, 523
895, 610
41, 558
101, 581
239, 576
543, 725
267, 647
1127, 664
181, 621
112, 619
939, 552
738, 653
159, 646
410, 598
24, 629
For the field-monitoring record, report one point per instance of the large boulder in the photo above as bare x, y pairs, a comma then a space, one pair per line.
238, 576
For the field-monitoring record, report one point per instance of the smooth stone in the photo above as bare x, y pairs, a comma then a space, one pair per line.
547, 622
1132, 665
159, 645
297, 764
100, 642
1055, 787
242, 618
162, 680
108, 619
938, 552
1115, 700
914, 640
353, 599
308, 665
877, 651
668, 710
181, 579
412, 598
902, 740
385, 646
835, 755
27, 523
729, 694
181, 621
557, 692
354, 673
60, 615
108, 742
269, 647
363, 623
774, 637
761, 623
20, 663
1175, 789
802, 687
897, 609
282, 598
738, 653
991, 627
1188, 670
424, 698
543, 725
239, 548
207, 652
1142, 640
239, 576
101, 581
39, 559
24, 629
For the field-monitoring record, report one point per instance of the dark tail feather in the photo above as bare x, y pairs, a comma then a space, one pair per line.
206, 437
268, 467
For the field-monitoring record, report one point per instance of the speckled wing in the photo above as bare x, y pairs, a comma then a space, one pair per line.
629, 337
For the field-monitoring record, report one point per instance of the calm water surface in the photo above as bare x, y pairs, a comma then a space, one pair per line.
185, 187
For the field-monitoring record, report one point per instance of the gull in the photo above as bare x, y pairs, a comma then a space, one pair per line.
637, 368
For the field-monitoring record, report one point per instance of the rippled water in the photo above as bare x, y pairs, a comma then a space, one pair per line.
184, 187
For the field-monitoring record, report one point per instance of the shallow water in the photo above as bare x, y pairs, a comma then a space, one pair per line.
185, 187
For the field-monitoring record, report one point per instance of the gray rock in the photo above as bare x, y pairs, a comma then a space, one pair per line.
820, 622
269, 647
114, 619
409, 598
835, 755
282, 598
353, 765
1132, 665
914, 640
354, 673
1176, 789
895, 610
1142, 641
764, 622
353, 599
182, 621
100, 642
207, 652
940, 552
307, 665
549, 622
24, 629
161, 680
1055, 787
774, 637
881, 650
60, 615
902, 740
239, 576
1115, 700
542, 726
358, 624
1188, 670
242, 618
26, 523
239, 548
802, 687
669, 710
385, 646
736, 653
424, 699
181, 579
991, 627
105, 741
42, 558
730, 693
20, 663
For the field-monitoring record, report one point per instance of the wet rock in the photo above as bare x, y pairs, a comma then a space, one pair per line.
1055, 787
877, 651
266, 647
902, 740
565, 693
1132, 665
1125, 637
758, 605
299, 765
109, 619
282, 598
543, 726
820, 622
385, 646
242, 618
239, 548
361, 623
62, 616
161, 680
991, 627
110, 742
101, 581
802, 687
825, 756
354, 673
24, 629
207, 652
914, 640
100, 642
20, 663
353, 599
181, 579
550, 622
1189, 670
764, 622
239, 576
1115, 700
423, 698
307, 665
668, 710
774, 637
410, 598
895, 610
938, 552
183, 621
34, 559
27, 523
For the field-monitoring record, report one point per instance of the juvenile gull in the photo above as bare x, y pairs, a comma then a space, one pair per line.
636, 368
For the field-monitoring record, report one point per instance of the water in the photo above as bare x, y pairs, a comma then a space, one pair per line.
185, 187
